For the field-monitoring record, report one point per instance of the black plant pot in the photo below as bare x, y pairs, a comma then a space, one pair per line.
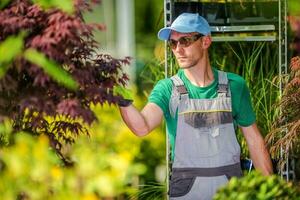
240, 11
268, 9
214, 13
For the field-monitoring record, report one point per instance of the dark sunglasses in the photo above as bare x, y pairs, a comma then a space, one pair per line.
184, 41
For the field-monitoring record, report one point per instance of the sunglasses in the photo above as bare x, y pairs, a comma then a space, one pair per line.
184, 41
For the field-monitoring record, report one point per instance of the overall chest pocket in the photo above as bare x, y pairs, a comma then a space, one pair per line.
209, 133
207, 119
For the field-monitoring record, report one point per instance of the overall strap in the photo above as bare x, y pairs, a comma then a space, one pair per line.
179, 86
223, 85
179, 92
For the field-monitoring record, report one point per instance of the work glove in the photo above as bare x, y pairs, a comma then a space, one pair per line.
126, 96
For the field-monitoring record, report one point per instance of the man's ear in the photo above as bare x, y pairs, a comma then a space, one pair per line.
206, 41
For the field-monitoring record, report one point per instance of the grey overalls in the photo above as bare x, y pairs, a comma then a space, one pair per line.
207, 153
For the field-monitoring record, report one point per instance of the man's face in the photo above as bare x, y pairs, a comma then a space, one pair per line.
187, 48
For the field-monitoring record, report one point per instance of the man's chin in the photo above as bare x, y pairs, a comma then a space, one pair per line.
182, 66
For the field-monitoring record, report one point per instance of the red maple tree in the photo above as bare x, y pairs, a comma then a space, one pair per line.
28, 95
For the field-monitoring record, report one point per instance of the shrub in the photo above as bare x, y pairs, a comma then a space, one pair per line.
285, 132
259, 187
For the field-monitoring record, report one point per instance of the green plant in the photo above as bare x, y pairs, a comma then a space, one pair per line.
106, 165
150, 191
258, 187
152, 72
257, 63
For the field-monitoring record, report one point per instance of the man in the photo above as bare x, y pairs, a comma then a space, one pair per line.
201, 106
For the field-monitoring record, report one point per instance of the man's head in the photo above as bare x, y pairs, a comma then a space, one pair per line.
189, 38
186, 23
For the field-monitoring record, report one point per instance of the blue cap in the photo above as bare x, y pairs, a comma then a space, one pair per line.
186, 23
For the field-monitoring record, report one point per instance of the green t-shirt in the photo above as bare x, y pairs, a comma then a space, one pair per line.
242, 110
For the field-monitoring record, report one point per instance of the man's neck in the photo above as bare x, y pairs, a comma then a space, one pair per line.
201, 74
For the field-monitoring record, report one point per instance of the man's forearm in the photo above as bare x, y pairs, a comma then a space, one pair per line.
261, 158
141, 123
257, 148
135, 121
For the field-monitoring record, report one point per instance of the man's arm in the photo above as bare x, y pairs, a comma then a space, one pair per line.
142, 123
257, 148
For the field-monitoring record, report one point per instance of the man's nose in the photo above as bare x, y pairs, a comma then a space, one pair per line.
178, 48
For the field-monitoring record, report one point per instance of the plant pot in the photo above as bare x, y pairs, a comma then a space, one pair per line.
214, 13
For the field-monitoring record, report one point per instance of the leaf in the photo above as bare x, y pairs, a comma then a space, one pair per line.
5, 132
9, 49
294, 7
66, 5
51, 68
124, 92
4, 3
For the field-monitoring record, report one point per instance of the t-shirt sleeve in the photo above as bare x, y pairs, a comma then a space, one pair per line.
245, 115
160, 95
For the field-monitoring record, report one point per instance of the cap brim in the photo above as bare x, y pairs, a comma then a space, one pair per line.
164, 33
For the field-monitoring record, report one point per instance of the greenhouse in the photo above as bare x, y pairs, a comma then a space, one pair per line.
152, 99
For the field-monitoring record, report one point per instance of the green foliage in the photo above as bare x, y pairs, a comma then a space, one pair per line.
51, 68
124, 92
65, 5
104, 165
257, 63
3, 3
294, 7
152, 72
5, 132
149, 21
154, 191
259, 187
9, 49
259, 69
30, 168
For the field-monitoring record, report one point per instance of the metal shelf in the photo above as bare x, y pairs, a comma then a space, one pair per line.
265, 33
249, 28
270, 38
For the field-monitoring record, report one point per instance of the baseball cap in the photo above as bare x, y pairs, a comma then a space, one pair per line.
186, 23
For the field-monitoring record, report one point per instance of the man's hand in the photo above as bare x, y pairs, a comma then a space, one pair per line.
257, 148
140, 123
125, 93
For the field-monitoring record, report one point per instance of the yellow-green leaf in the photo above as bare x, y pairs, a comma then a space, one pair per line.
65, 5
51, 68
3, 3
294, 7
10, 48
124, 92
